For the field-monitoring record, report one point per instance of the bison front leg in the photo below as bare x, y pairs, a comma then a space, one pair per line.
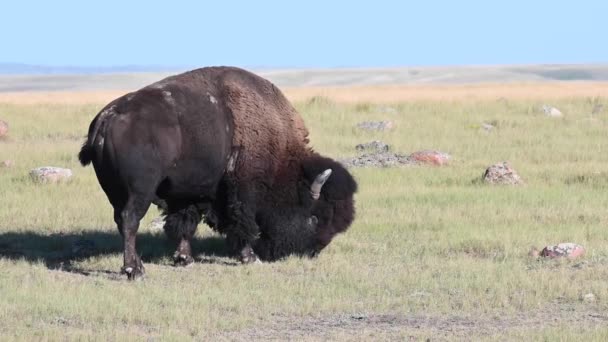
242, 231
240, 227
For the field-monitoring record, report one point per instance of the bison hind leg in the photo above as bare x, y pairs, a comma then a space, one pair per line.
180, 226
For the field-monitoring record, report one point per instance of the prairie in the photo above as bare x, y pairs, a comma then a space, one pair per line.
433, 253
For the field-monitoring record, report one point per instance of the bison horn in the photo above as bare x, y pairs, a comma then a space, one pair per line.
315, 188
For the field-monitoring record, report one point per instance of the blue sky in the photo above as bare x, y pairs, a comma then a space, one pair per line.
303, 34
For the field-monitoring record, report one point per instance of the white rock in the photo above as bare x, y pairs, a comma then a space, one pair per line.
376, 125
373, 146
487, 127
501, 173
552, 111
588, 298
50, 174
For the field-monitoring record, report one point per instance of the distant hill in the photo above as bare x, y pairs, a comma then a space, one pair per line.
22, 77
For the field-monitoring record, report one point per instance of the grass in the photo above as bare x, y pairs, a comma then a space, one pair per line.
432, 252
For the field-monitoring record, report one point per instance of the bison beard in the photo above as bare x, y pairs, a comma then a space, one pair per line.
223, 145
290, 231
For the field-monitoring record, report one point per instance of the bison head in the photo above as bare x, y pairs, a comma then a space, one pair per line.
326, 209
334, 207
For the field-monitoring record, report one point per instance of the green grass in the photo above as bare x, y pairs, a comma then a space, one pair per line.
432, 253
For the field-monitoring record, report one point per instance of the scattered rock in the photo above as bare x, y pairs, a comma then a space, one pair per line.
7, 163
61, 321
501, 173
157, 224
567, 249
382, 158
3, 128
50, 174
598, 108
387, 110
378, 159
588, 298
430, 157
551, 111
83, 248
534, 253
487, 127
373, 146
375, 125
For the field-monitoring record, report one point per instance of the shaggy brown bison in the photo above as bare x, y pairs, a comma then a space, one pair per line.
223, 145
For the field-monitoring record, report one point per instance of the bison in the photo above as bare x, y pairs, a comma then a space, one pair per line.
224, 145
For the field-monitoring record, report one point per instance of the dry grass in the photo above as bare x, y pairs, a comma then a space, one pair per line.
473, 92
431, 254
361, 94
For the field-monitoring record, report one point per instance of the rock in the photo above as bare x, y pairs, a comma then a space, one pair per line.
7, 163
3, 129
588, 298
378, 159
598, 108
83, 248
567, 249
501, 173
383, 158
430, 157
157, 224
534, 253
373, 146
487, 127
551, 111
50, 174
375, 125
387, 110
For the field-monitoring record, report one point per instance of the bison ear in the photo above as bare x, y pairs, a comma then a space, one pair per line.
315, 188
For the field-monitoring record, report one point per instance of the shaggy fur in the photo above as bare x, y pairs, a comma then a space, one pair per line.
305, 229
173, 140
181, 223
284, 232
270, 153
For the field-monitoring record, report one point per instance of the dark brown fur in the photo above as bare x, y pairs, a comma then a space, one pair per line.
172, 142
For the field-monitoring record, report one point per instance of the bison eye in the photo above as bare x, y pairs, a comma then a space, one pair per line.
313, 220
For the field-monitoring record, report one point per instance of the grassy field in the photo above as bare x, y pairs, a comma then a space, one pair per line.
432, 253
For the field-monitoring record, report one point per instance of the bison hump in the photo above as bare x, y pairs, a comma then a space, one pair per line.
268, 131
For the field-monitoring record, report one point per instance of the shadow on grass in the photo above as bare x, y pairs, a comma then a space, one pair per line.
60, 251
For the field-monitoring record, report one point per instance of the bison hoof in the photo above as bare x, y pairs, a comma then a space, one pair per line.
134, 273
182, 260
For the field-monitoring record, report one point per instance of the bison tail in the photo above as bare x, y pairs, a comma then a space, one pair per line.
97, 127
86, 154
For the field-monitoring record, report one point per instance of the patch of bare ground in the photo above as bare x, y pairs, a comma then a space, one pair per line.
355, 327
